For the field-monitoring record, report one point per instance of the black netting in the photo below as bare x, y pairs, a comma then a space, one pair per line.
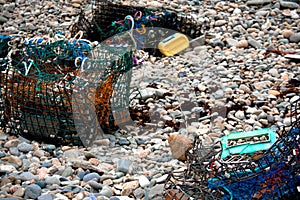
109, 20
4, 40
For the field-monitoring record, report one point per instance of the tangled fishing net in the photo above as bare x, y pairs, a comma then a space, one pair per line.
269, 174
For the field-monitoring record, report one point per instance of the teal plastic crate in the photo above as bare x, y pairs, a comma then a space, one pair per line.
243, 142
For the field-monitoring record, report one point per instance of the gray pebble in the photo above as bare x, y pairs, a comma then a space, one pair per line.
156, 191
25, 147
7, 168
71, 154
295, 38
26, 176
264, 122
123, 165
220, 22
26, 164
258, 2
14, 151
39, 153
262, 115
287, 121
51, 180
144, 181
284, 41
123, 142
46, 197
288, 4
231, 42
50, 147
67, 172
2, 155
42, 184
133, 142
32, 191
147, 93
67, 182
240, 115
254, 43
262, 13
274, 72
91, 176
3, 19
138, 193
294, 99
161, 179
81, 175
106, 191
95, 185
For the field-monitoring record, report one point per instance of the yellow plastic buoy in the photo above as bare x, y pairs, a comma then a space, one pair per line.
173, 44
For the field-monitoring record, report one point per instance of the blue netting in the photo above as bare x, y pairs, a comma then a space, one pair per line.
276, 183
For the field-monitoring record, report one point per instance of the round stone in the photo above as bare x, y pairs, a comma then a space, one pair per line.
25, 147
32, 191
91, 176
240, 115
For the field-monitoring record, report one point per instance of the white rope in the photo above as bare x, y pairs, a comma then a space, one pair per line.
27, 69
130, 32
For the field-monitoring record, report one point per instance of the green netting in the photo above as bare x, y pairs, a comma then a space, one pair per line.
38, 80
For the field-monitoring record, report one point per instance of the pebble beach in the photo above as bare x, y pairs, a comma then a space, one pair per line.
241, 76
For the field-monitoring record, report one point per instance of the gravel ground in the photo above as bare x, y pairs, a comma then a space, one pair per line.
238, 78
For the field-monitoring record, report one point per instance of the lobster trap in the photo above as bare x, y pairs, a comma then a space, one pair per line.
148, 26
265, 174
40, 78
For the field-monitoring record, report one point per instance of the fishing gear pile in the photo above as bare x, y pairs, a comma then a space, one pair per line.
269, 174
40, 75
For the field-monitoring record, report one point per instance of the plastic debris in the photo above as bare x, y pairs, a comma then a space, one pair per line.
247, 142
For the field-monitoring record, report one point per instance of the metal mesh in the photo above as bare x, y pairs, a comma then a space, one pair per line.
37, 85
108, 20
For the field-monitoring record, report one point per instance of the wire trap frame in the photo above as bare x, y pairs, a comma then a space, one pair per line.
148, 25
37, 86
